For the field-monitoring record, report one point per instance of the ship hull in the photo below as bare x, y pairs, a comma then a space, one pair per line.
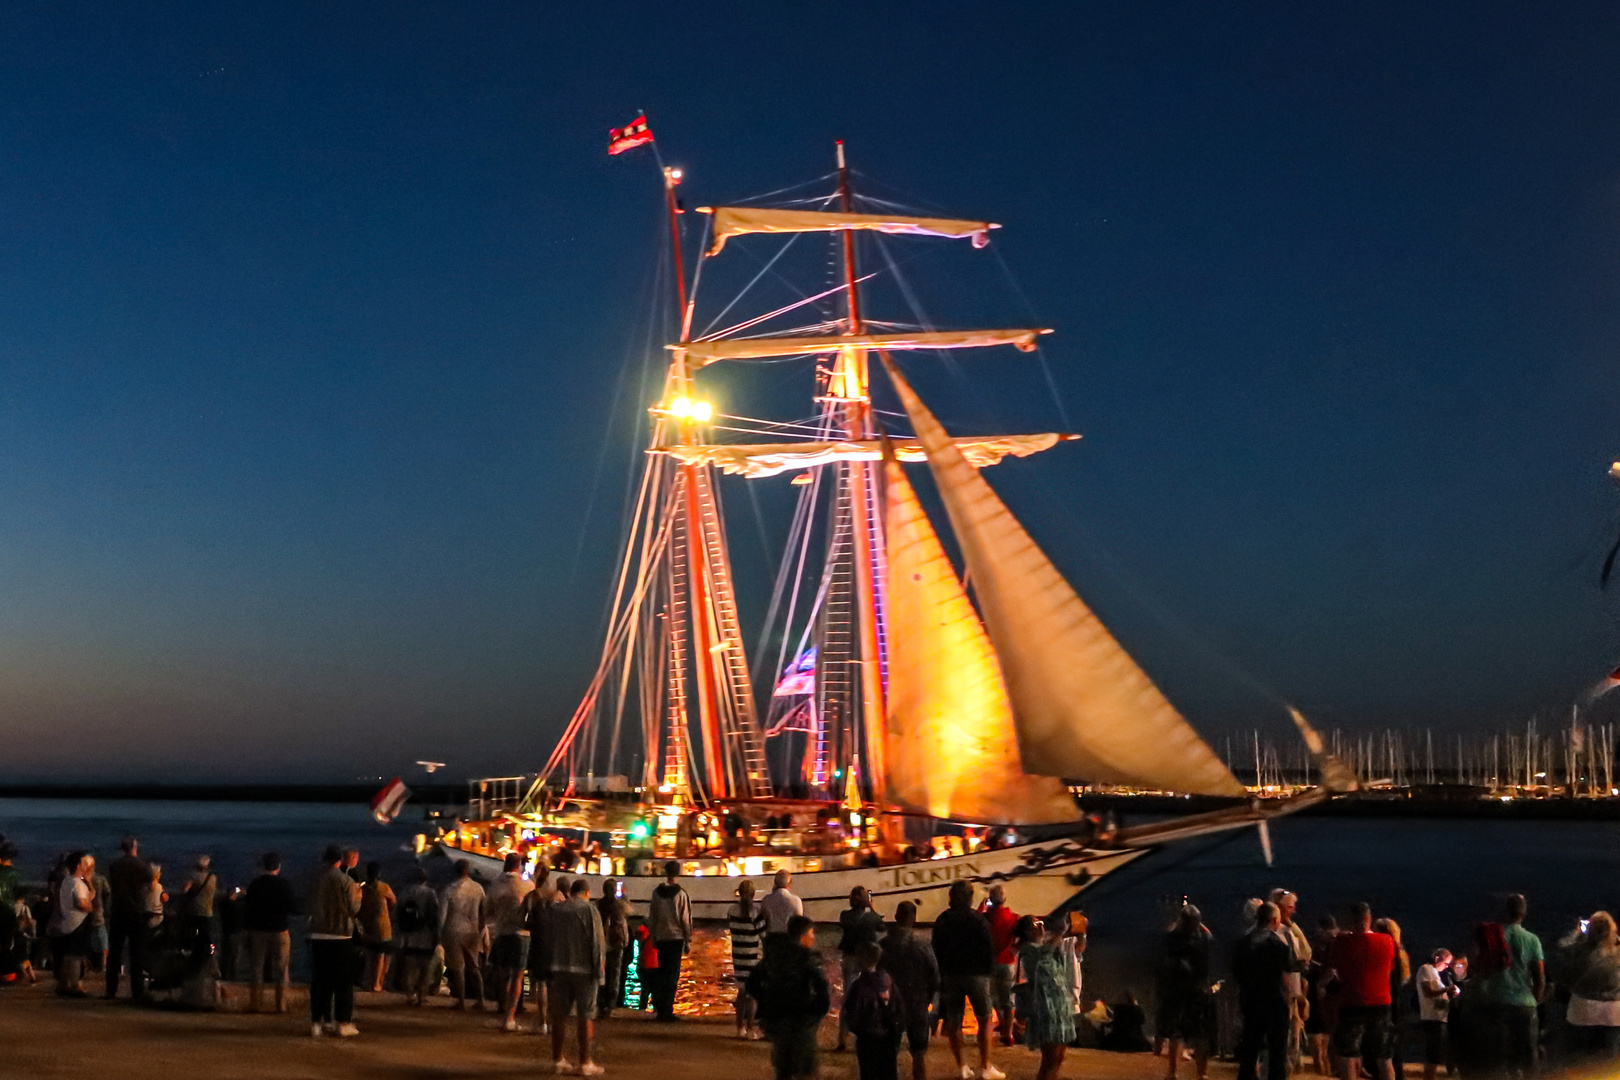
1039, 878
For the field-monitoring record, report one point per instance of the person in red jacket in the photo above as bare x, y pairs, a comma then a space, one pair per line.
1004, 940
1362, 960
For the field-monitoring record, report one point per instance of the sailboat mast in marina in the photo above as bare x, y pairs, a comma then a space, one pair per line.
909, 730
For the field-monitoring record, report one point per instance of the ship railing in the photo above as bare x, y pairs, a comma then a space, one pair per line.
495, 795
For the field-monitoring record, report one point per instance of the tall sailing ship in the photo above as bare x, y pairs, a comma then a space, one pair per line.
919, 720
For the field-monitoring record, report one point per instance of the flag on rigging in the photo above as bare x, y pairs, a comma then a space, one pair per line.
632, 135
800, 676
387, 803
1604, 686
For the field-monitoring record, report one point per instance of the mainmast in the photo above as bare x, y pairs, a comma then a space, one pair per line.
850, 383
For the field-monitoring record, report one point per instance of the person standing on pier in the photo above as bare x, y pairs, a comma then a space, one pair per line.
615, 912
267, 911
1363, 960
779, 906
1294, 935
874, 1013
1504, 994
669, 919
793, 997
464, 912
910, 962
1184, 991
967, 959
861, 925
199, 907
1004, 939
417, 920
746, 924
578, 961
377, 902
1261, 964
126, 921
1049, 1026
333, 904
69, 926
509, 935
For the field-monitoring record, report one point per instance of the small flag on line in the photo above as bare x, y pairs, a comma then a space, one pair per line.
387, 803
800, 676
632, 135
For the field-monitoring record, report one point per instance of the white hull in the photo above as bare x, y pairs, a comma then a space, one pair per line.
1038, 878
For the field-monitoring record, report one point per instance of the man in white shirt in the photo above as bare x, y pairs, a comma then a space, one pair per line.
461, 932
1434, 1009
779, 905
1296, 940
69, 928
509, 934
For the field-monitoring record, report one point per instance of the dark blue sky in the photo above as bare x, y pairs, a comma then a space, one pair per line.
312, 316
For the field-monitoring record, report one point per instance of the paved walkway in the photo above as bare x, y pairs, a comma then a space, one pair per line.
44, 1037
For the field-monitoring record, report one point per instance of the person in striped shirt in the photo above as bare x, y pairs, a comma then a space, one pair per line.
746, 921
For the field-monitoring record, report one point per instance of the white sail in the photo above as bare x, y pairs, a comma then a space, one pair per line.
1082, 707
950, 748
756, 460
732, 221
702, 353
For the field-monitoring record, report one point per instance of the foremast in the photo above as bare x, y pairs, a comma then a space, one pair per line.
850, 383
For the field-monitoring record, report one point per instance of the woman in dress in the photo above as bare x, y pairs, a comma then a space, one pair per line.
1593, 1018
1049, 1024
376, 925
746, 923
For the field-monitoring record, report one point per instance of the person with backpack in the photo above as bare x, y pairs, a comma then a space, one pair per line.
875, 1014
793, 997
1507, 981
416, 921
860, 924
669, 918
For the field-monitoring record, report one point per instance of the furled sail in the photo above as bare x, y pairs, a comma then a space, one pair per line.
1082, 707
950, 748
732, 221
756, 460
703, 353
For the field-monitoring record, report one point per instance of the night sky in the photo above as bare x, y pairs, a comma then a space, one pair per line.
322, 332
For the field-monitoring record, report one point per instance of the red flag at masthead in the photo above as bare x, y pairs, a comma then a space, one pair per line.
632, 135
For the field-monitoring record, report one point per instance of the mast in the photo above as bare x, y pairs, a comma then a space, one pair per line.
852, 367
694, 533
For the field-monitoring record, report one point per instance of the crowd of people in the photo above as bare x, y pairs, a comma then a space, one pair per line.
899, 990
1348, 998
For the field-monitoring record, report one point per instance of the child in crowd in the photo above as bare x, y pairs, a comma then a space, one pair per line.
873, 1013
